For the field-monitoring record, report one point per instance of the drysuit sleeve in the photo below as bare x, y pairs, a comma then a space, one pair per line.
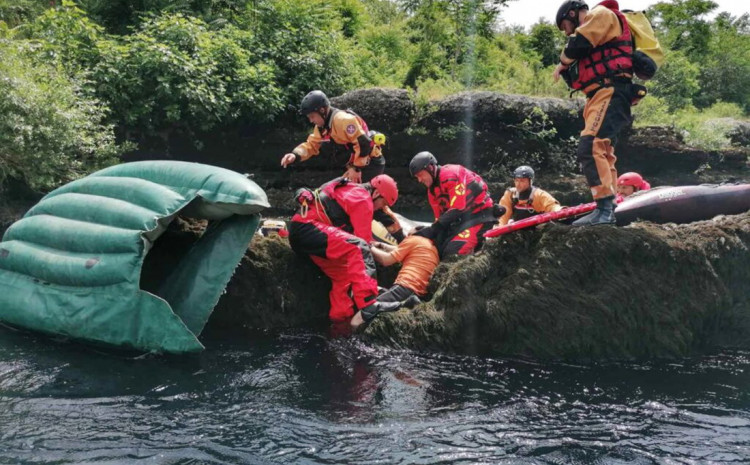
544, 202
310, 147
507, 202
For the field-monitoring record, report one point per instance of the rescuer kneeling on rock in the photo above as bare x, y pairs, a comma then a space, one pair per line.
525, 200
460, 202
333, 225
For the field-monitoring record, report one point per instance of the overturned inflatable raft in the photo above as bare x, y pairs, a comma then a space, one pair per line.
72, 266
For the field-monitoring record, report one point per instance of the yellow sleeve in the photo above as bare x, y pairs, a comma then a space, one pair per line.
544, 202
601, 26
310, 147
508, 204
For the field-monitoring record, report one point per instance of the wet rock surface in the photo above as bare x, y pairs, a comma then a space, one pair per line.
556, 292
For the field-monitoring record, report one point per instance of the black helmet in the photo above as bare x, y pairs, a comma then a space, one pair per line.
313, 101
524, 172
565, 9
421, 161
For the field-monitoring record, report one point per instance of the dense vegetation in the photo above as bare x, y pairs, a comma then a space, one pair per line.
74, 72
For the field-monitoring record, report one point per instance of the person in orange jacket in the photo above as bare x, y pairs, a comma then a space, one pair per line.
343, 127
419, 258
598, 61
525, 200
333, 225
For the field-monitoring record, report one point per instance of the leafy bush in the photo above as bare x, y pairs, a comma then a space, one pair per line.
676, 81
305, 41
175, 73
49, 133
707, 128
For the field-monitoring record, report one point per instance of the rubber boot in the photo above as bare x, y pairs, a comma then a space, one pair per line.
362, 318
603, 214
411, 301
376, 308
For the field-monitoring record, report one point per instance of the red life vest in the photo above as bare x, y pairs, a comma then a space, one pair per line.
609, 60
457, 183
342, 204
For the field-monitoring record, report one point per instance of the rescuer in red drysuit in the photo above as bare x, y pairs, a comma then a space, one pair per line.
460, 202
333, 225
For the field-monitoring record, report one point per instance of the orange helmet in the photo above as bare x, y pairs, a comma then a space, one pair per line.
630, 179
386, 187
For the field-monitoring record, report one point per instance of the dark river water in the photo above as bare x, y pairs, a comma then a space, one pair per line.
300, 397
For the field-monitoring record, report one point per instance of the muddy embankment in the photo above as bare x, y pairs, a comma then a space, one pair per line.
599, 293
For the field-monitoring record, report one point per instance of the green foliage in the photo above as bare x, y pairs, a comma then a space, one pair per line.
305, 41
15, 12
682, 24
49, 133
123, 16
676, 82
725, 71
67, 36
544, 39
453, 132
175, 72
707, 128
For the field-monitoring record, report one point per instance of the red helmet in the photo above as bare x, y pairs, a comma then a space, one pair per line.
386, 187
630, 179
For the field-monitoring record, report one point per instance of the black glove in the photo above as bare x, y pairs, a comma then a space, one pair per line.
498, 210
429, 232
449, 217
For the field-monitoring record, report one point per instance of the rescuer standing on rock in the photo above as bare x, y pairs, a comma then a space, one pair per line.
598, 60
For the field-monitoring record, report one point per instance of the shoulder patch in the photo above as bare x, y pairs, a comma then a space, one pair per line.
351, 129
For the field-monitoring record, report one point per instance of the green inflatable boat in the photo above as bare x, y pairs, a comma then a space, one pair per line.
72, 265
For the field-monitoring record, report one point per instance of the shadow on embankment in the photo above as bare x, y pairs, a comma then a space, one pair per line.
555, 293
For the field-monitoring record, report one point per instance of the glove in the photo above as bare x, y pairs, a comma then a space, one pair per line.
498, 210
428, 232
303, 194
449, 217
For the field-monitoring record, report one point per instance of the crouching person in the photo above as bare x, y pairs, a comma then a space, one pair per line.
333, 225
419, 258
462, 206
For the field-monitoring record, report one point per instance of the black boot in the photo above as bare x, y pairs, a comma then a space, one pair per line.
376, 308
603, 214
411, 301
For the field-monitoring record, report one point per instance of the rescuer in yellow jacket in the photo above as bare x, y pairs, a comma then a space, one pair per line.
345, 128
524, 200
